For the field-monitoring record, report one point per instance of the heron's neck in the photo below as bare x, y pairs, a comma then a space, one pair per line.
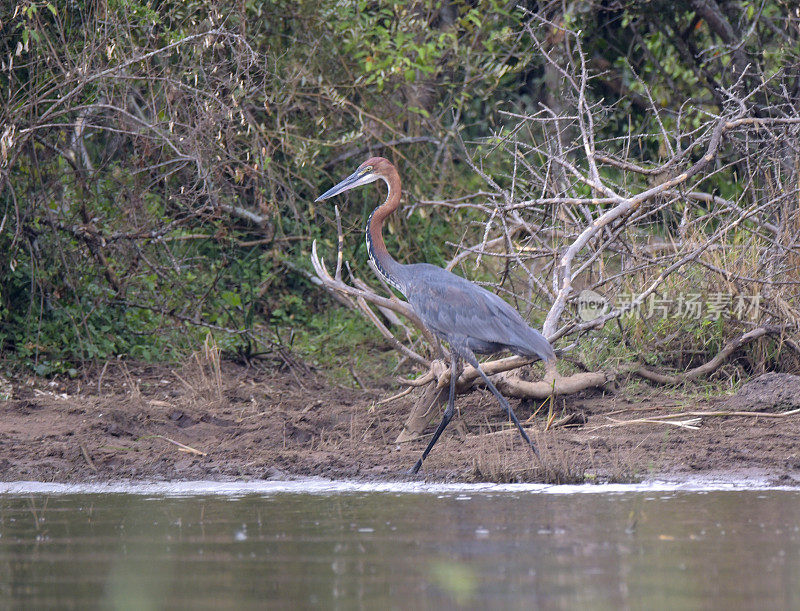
390, 269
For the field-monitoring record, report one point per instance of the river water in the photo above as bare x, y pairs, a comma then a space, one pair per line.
317, 544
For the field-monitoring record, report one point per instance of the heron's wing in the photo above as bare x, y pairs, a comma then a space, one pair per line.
452, 306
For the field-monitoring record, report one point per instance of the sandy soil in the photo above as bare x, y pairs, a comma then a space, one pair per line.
126, 422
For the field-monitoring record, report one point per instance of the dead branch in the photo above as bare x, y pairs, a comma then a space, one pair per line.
514, 386
705, 368
625, 207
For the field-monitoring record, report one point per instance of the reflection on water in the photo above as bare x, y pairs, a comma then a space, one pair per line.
639, 549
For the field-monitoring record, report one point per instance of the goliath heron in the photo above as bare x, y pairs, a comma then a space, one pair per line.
468, 317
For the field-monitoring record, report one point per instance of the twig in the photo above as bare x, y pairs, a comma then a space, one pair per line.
357, 379
182, 447
100, 379
509, 428
569, 419
727, 414
689, 423
696, 417
87, 457
399, 395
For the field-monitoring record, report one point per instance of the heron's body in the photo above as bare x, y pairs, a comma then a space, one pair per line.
455, 308
468, 317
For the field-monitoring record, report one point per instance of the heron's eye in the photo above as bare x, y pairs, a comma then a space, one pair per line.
367, 170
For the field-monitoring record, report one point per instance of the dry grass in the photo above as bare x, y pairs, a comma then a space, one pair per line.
498, 459
201, 375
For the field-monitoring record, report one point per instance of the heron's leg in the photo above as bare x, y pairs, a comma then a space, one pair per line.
470, 358
448, 412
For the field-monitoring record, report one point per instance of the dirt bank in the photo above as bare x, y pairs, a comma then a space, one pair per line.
127, 420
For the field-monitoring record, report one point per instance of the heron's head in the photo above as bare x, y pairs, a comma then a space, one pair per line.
369, 171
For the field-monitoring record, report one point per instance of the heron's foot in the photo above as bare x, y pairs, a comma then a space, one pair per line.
415, 469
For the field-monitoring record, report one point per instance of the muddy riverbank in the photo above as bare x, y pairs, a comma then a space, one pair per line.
131, 421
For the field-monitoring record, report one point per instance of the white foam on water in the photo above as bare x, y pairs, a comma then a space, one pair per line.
321, 486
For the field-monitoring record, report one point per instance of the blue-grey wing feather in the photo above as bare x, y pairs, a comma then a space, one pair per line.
453, 307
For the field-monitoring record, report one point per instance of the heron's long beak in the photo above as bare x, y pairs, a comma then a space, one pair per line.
354, 180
